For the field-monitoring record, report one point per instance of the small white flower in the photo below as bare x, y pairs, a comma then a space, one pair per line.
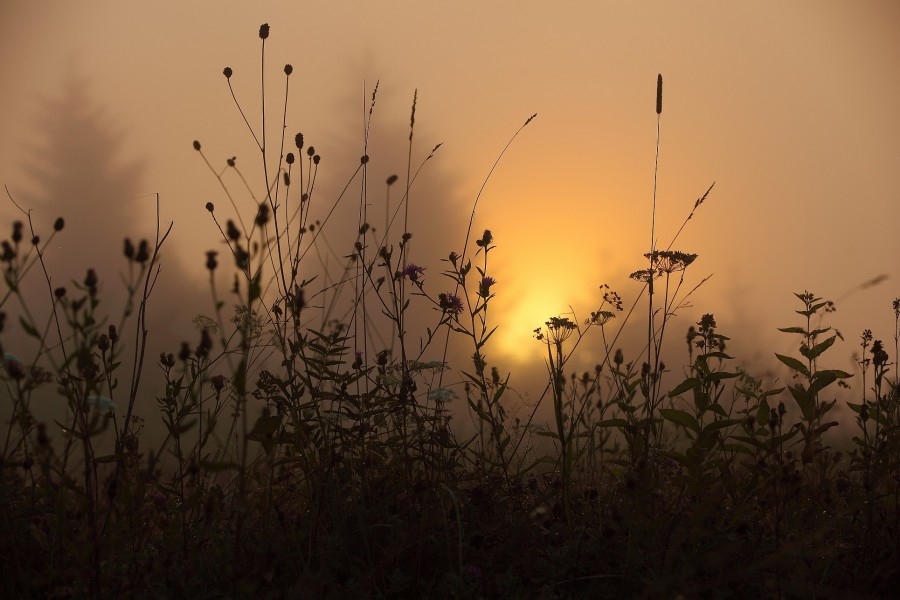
102, 403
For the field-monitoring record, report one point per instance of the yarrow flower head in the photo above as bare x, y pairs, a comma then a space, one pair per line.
413, 272
450, 303
484, 287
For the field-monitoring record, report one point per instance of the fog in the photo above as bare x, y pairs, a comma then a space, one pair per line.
788, 109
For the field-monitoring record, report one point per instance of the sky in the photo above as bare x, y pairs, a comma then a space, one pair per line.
790, 108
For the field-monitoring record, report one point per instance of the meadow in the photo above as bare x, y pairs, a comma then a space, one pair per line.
343, 434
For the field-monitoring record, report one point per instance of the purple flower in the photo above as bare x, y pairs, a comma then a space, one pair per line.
450, 303
414, 272
484, 288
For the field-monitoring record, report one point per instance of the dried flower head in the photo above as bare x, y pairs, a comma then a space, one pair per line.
211, 262
210, 206
227, 72
289, 158
263, 31
392, 180
196, 145
288, 69
298, 141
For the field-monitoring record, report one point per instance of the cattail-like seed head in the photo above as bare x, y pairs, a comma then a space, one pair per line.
659, 94
263, 31
298, 140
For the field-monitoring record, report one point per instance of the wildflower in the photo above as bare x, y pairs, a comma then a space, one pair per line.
218, 382
13, 366
484, 287
670, 261
644, 275
289, 158
392, 180
227, 72
211, 263
879, 356
442, 395
197, 145
102, 403
486, 238
58, 224
17, 232
90, 281
288, 69
559, 329
210, 206
450, 303
262, 215
298, 141
8, 253
232, 231
601, 317
129, 249
263, 31
413, 272
143, 252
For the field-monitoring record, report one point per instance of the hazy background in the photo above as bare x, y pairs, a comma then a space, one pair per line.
791, 108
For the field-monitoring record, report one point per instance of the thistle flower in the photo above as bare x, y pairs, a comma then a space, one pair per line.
450, 303
486, 238
484, 286
413, 272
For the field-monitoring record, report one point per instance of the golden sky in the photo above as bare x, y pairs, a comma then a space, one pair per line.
790, 107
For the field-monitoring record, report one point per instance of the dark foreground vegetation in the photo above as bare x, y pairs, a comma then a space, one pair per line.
309, 449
